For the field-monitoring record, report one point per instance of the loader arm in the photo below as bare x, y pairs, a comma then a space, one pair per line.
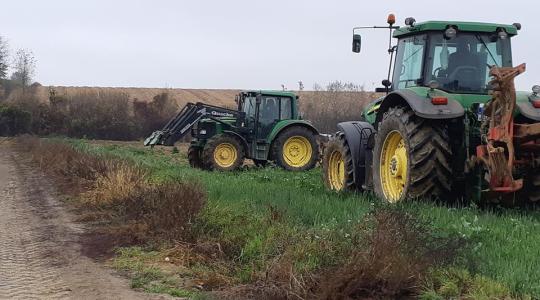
177, 127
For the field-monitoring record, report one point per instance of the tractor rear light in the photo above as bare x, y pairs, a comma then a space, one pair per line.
536, 103
439, 100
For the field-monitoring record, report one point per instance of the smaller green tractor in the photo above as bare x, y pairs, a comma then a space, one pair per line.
265, 127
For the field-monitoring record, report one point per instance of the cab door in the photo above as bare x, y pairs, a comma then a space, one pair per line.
268, 115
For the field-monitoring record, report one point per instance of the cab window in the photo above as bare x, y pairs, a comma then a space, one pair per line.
409, 62
249, 107
269, 110
286, 108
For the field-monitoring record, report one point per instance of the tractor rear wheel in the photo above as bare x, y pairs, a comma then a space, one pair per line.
411, 158
223, 153
296, 149
194, 157
338, 164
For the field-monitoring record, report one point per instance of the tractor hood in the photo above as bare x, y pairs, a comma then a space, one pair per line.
524, 105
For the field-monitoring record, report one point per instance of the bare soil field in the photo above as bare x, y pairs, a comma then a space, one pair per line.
40, 243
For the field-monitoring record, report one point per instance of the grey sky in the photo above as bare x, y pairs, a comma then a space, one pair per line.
236, 43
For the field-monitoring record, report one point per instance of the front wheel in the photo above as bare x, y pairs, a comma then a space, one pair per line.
296, 149
337, 164
411, 157
223, 153
194, 157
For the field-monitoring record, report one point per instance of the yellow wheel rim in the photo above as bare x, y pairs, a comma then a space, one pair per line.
393, 166
336, 171
297, 151
225, 155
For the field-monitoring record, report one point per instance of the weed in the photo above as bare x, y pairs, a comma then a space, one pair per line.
398, 253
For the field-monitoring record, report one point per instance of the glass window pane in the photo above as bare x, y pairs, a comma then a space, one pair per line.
269, 111
286, 108
409, 63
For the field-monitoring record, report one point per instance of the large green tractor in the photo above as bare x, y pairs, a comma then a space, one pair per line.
450, 124
265, 127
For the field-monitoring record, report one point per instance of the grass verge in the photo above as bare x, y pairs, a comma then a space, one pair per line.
267, 233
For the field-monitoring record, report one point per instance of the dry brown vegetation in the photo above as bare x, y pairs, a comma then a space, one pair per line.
131, 114
116, 193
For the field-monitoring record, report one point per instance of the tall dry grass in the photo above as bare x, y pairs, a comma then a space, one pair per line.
119, 194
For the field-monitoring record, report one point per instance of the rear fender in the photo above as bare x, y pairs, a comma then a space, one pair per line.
359, 137
421, 106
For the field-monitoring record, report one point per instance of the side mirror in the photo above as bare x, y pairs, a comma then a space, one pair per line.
386, 83
356, 43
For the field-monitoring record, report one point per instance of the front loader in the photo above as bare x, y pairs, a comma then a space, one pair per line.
450, 124
265, 127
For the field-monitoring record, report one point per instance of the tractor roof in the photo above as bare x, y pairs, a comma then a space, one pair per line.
273, 93
461, 26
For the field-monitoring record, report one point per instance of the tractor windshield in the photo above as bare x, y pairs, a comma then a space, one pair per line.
461, 64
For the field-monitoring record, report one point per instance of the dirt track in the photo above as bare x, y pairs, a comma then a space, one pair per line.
40, 253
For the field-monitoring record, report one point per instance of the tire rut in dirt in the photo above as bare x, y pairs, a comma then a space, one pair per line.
429, 154
26, 256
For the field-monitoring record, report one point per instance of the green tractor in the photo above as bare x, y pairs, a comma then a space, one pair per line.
265, 127
450, 125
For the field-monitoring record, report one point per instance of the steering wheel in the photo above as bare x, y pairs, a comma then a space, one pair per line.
436, 72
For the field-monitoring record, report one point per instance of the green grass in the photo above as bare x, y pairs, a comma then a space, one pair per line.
506, 243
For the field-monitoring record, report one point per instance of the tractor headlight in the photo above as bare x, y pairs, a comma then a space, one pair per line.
536, 89
203, 131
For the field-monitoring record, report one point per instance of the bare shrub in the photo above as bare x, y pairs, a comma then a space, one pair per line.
165, 211
103, 115
155, 114
336, 103
399, 252
14, 120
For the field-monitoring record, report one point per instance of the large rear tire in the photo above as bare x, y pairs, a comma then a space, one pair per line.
296, 149
338, 164
223, 153
411, 157
194, 157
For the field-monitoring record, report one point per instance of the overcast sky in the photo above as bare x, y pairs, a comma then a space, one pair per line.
236, 43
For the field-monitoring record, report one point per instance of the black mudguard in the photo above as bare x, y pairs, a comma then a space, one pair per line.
360, 136
421, 106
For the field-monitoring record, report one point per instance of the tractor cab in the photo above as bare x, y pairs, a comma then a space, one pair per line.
450, 123
433, 54
264, 109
